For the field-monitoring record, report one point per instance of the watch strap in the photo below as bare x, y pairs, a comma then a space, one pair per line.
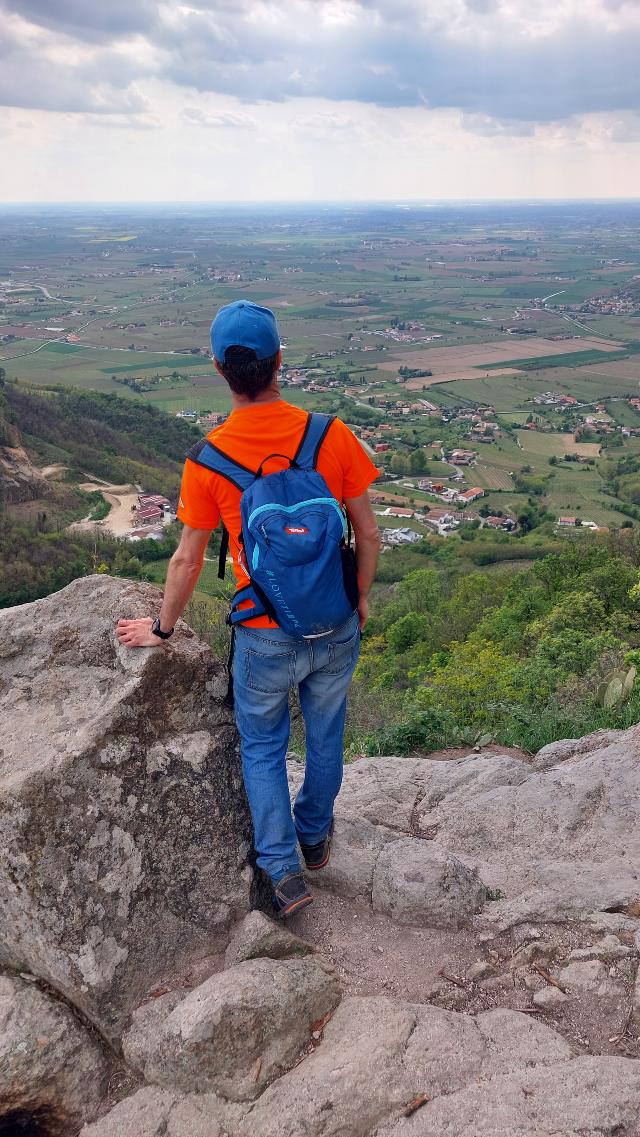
156, 631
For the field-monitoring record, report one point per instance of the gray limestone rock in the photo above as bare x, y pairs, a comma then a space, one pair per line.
550, 999
582, 976
154, 1112
515, 1042
144, 1114
124, 827
599, 1097
481, 969
560, 842
380, 1054
540, 951
238, 1030
610, 947
421, 883
565, 748
259, 937
50, 1066
355, 847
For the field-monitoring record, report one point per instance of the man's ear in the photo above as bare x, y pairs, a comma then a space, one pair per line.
278, 364
217, 367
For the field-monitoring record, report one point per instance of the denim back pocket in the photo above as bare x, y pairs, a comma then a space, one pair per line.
343, 655
270, 673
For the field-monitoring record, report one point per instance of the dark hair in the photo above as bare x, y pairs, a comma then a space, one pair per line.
244, 372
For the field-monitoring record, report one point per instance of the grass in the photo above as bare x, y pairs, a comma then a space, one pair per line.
543, 362
174, 363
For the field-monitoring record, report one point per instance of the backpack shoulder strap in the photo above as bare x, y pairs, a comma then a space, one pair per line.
315, 432
205, 454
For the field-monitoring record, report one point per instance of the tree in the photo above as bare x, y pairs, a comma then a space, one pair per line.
3, 376
418, 462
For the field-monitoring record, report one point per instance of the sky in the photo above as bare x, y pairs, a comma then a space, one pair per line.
294, 100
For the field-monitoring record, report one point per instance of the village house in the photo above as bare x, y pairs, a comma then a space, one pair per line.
400, 536
398, 511
470, 495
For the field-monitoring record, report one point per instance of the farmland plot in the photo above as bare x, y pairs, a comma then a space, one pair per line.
491, 478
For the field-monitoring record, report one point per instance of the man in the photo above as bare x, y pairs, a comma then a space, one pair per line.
267, 661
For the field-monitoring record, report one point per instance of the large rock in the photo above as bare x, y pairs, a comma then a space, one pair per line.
259, 937
124, 828
588, 1097
423, 884
498, 1074
154, 1112
235, 1032
559, 842
51, 1069
378, 1055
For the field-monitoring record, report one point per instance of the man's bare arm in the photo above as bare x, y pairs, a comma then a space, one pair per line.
182, 576
367, 537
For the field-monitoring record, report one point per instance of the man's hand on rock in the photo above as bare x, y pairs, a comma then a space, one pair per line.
137, 633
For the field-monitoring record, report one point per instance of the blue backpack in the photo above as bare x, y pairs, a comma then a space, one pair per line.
302, 570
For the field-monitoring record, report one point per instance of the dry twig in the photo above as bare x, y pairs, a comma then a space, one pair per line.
547, 977
415, 1104
452, 979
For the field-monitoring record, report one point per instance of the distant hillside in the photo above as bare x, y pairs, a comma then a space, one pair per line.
90, 432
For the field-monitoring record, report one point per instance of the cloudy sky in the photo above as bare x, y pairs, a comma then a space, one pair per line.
136, 100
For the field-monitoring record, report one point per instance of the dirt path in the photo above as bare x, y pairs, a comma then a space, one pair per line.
120, 520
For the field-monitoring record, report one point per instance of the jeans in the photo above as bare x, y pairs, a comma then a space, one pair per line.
267, 663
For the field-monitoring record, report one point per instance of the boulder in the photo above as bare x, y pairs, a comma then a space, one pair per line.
125, 833
378, 1055
259, 937
154, 1112
51, 1070
564, 748
397, 1069
558, 839
606, 949
583, 976
144, 1114
594, 1096
237, 1031
423, 884
550, 999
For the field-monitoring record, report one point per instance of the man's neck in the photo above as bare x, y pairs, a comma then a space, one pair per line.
270, 394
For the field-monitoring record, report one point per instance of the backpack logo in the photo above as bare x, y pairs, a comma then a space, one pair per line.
295, 529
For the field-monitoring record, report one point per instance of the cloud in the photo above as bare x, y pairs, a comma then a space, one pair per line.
506, 60
199, 117
488, 127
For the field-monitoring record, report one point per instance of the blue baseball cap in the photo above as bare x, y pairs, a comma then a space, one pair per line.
246, 324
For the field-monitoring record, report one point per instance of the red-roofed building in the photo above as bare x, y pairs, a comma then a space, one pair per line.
470, 495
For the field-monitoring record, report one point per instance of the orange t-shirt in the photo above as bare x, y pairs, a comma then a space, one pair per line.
249, 436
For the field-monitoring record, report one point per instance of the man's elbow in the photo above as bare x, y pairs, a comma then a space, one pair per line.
369, 535
187, 566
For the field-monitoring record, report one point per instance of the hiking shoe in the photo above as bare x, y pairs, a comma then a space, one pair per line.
317, 856
290, 894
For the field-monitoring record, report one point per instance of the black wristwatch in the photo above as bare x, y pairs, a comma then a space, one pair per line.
155, 629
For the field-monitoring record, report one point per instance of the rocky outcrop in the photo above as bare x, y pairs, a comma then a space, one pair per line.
422, 883
557, 839
260, 938
19, 478
390, 1068
125, 834
236, 1032
51, 1069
